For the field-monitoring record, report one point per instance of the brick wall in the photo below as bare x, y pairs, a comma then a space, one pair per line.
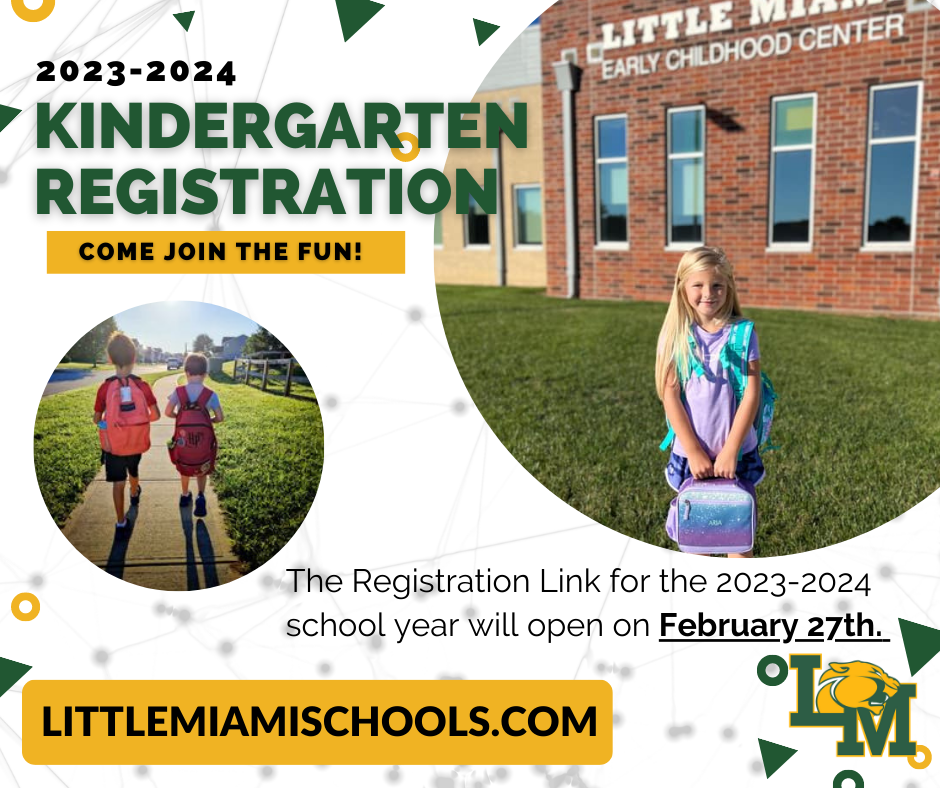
454, 263
836, 274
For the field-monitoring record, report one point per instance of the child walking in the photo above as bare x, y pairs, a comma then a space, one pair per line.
714, 434
124, 408
193, 448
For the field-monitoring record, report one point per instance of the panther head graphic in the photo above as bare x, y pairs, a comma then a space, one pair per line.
858, 685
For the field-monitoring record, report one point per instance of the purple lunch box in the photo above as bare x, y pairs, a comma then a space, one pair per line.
711, 516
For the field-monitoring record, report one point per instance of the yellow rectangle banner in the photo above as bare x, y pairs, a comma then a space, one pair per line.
317, 722
229, 252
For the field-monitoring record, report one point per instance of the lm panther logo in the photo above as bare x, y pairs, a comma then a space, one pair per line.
855, 685
851, 695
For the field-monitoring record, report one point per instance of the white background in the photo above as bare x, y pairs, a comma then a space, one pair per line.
413, 476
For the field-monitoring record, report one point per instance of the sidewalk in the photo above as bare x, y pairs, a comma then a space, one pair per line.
163, 545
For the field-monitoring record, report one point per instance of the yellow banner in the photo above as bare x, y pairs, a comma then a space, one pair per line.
317, 722
360, 252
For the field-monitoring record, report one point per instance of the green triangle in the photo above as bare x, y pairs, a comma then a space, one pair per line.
11, 672
921, 644
7, 114
774, 755
484, 30
353, 15
185, 19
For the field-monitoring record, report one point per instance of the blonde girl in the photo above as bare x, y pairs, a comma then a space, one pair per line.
714, 435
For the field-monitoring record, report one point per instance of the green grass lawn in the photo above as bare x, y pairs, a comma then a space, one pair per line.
65, 449
269, 466
75, 365
65, 446
567, 386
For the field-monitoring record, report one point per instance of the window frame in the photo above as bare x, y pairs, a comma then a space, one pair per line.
893, 246
791, 246
625, 159
466, 232
683, 246
516, 245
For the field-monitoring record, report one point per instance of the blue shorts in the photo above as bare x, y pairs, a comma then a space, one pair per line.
750, 469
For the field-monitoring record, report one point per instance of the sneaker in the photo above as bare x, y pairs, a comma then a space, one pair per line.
200, 510
121, 525
186, 500
135, 499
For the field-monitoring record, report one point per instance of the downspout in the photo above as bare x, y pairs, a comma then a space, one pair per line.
500, 230
568, 80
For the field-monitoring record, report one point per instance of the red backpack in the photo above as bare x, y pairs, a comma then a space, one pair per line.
193, 449
128, 419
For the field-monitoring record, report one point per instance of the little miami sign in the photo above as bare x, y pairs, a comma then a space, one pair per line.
718, 18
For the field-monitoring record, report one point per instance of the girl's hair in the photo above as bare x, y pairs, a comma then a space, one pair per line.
672, 354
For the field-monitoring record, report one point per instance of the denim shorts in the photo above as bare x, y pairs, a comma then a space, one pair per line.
750, 469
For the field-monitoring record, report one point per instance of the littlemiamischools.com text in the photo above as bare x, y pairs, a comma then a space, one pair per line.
155, 721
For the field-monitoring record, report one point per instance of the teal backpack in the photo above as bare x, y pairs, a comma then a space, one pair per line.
734, 358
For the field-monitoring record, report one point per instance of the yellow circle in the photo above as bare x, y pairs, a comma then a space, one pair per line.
25, 597
33, 14
920, 764
411, 155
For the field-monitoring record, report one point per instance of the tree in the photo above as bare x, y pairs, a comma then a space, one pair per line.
203, 344
263, 339
91, 346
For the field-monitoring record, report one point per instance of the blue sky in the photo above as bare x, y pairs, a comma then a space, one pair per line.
172, 324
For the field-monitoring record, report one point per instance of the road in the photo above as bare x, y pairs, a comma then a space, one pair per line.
69, 379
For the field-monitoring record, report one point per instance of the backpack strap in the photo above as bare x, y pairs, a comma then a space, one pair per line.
182, 397
735, 360
734, 356
203, 400
745, 345
695, 363
109, 387
670, 437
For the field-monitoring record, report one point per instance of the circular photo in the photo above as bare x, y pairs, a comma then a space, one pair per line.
178, 445
706, 310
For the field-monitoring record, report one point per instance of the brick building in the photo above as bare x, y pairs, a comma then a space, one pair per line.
505, 248
802, 136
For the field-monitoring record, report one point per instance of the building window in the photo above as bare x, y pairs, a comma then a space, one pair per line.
610, 178
686, 176
528, 215
893, 154
792, 159
438, 231
476, 225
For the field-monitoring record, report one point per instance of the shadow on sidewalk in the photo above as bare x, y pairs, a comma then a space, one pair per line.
203, 542
122, 540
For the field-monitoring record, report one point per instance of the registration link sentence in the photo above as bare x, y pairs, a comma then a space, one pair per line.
482, 581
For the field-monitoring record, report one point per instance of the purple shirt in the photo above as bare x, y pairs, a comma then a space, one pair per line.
709, 398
